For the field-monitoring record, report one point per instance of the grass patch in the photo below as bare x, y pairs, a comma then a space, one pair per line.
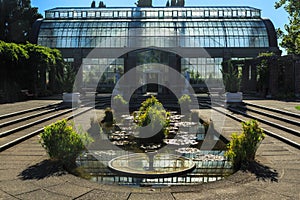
297, 107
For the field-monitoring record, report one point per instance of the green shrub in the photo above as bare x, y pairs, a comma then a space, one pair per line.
148, 103
231, 77
63, 143
184, 99
108, 121
151, 108
118, 99
67, 79
242, 148
297, 107
120, 103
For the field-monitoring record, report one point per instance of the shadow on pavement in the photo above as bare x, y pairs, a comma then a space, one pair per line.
42, 170
263, 172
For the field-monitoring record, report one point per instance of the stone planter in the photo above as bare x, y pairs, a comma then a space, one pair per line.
236, 97
71, 97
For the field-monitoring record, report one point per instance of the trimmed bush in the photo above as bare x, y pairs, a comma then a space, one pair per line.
185, 99
242, 147
63, 143
120, 104
107, 123
151, 108
118, 99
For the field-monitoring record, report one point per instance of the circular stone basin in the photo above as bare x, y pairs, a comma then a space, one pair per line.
151, 165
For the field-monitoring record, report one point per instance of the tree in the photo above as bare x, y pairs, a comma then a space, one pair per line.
173, 3
231, 77
12, 69
40, 59
144, 3
180, 3
290, 39
25, 67
93, 4
101, 5
168, 4
16, 19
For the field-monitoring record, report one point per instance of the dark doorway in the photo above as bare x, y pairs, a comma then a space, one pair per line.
152, 79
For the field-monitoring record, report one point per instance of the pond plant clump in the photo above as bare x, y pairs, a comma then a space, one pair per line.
131, 135
152, 113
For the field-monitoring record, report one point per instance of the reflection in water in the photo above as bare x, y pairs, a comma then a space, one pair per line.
209, 166
183, 163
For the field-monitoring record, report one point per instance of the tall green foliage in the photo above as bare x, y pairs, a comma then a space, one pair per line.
144, 3
16, 19
173, 3
152, 111
263, 71
168, 3
180, 3
24, 66
242, 147
13, 70
290, 39
12, 54
101, 4
231, 77
177, 3
41, 60
67, 78
93, 4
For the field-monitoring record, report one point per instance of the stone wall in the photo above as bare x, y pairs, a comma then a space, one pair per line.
283, 76
297, 76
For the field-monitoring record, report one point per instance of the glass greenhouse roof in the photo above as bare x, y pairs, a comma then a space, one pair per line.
153, 12
216, 27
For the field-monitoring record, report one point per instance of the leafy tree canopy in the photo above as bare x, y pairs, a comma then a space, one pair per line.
177, 3
168, 4
16, 19
144, 3
93, 4
290, 39
11, 53
102, 4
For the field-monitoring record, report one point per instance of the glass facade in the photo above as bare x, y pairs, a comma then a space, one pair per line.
159, 27
218, 28
109, 71
110, 34
201, 69
154, 12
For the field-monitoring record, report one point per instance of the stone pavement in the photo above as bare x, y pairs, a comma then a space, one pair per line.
27, 173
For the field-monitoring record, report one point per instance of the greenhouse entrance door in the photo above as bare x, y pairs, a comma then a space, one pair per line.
152, 80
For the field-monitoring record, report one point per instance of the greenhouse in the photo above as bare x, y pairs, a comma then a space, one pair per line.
192, 40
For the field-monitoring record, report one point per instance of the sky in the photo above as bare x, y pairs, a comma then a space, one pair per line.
278, 16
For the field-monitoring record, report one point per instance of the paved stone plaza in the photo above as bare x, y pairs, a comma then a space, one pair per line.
27, 173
